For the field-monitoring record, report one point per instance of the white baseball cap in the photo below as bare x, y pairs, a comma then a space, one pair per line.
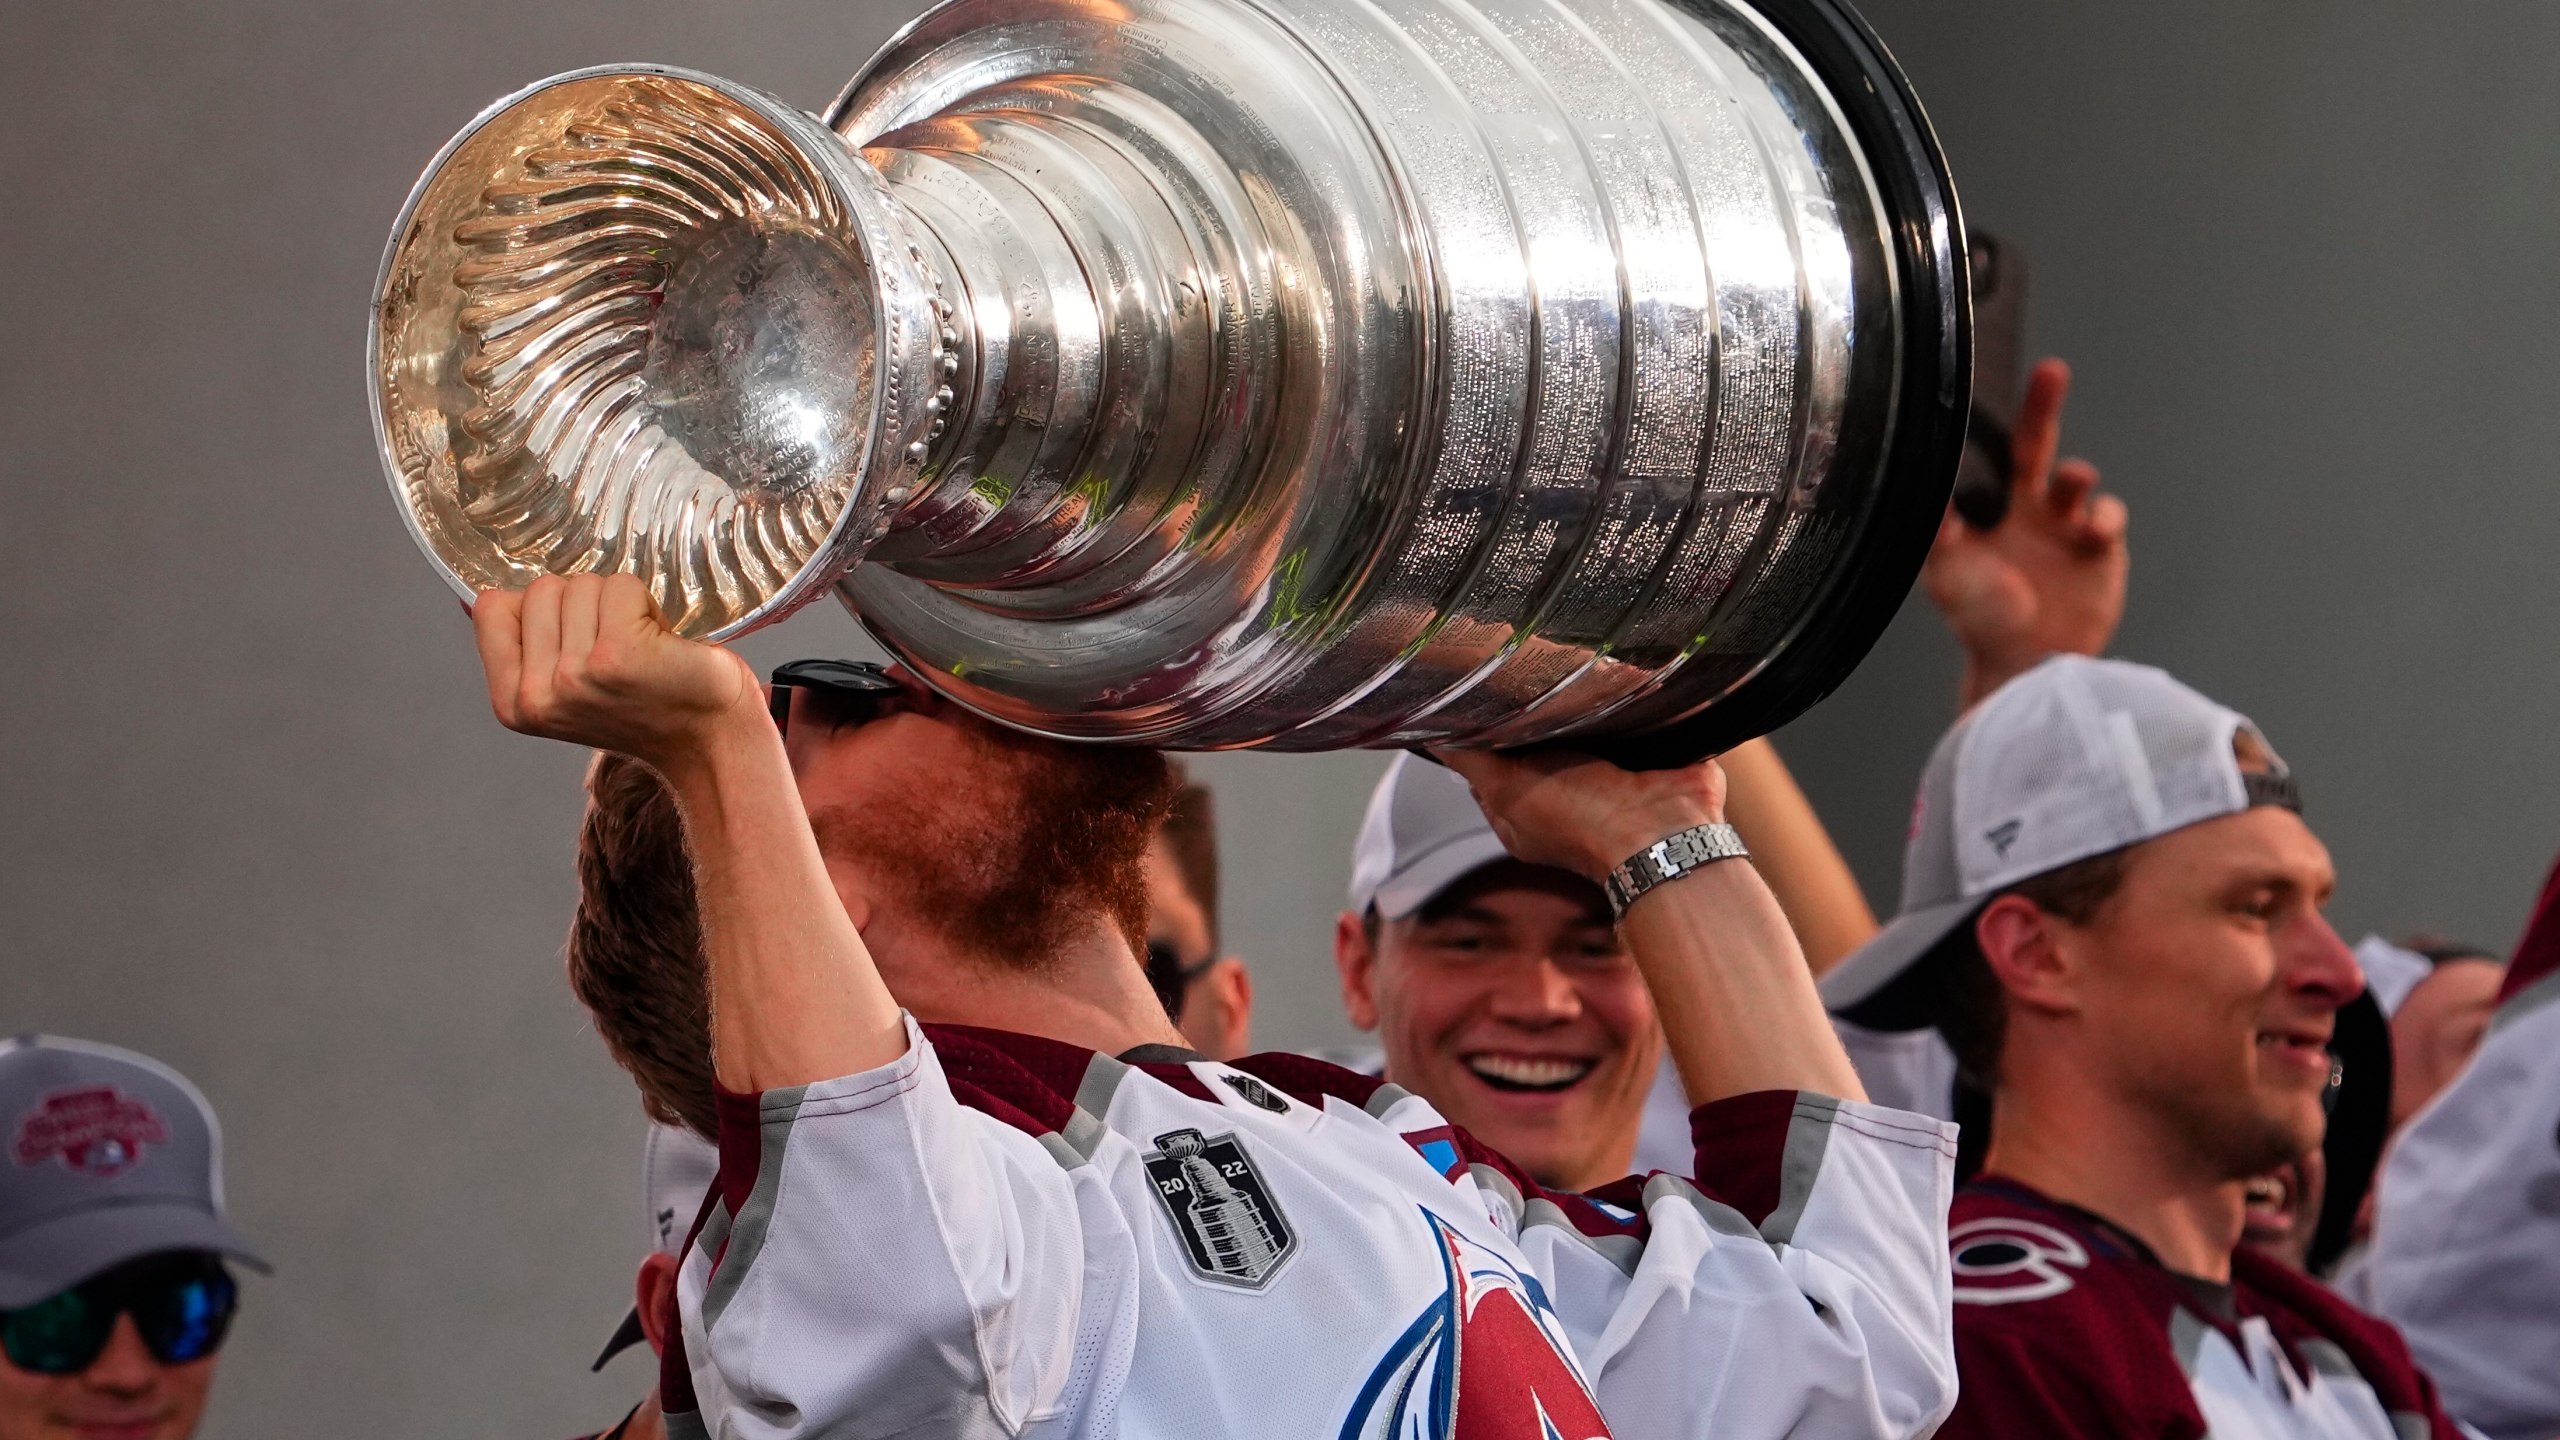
676, 1171
2390, 971
2074, 758
1423, 832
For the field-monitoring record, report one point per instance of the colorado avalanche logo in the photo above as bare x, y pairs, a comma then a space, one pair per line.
93, 1131
2003, 1260
1488, 1360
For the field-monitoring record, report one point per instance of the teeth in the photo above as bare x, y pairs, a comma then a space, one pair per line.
2266, 1190
1541, 1072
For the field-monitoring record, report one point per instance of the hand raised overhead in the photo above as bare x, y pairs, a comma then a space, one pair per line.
589, 660
2050, 577
1583, 814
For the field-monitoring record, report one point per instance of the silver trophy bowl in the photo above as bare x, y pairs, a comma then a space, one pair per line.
1218, 373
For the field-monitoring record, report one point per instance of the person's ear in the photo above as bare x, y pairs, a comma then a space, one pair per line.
654, 1295
1355, 960
1230, 987
2027, 952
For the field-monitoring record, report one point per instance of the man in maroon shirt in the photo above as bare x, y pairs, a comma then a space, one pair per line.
2112, 911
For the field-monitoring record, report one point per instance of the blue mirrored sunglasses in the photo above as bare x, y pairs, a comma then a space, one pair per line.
181, 1302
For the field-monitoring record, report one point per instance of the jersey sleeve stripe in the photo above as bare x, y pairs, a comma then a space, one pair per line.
1101, 1083
1800, 1164
1742, 1144
1720, 1217
754, 1212
1620, 1250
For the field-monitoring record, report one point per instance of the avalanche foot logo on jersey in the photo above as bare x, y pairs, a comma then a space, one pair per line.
1230, 1226
1488, 1360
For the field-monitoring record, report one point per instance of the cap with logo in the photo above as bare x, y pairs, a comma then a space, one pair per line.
2072, 759
676, 1171
109, 1156
1422, 833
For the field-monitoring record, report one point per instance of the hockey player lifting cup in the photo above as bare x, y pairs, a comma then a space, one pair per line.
974, 1192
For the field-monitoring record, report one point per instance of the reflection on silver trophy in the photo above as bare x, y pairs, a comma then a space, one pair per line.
1206, 373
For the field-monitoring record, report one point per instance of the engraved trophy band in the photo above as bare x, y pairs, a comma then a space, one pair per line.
1218, 373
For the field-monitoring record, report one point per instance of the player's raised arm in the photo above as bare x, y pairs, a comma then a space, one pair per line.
1738, 1007
1809, 1239
795, 996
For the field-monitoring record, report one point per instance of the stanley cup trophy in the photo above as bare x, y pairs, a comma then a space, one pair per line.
1218, 373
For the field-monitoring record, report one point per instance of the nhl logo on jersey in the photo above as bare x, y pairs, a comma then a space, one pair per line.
1231, 1229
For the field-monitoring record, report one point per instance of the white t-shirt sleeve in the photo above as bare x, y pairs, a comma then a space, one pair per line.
898, 1264
1902, 1069
1798, 1286
2465, 1256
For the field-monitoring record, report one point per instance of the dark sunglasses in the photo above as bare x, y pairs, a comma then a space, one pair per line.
1170, 978
181, 1303
839, 692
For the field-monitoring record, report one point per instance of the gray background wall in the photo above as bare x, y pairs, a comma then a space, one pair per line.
254, 818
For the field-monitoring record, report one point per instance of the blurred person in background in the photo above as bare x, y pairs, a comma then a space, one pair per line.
114, 1299
1500, 991
2114, 916
1207, 991
2439, 994
677, 1168
2465, 1252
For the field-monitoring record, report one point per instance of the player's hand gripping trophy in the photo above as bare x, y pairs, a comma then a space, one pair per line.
1205, 373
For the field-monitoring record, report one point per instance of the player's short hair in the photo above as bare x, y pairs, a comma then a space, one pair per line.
635, 948
1974, 1016
1190, 835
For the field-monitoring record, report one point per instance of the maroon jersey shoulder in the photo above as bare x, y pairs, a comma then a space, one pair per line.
2061, 1328
2300, 1309
1311, 1081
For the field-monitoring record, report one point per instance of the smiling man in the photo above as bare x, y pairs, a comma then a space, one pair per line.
1498, 989
114, 1295
2113, 912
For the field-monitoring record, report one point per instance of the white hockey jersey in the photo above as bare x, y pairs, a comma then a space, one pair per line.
2466, 1237
1004, 1235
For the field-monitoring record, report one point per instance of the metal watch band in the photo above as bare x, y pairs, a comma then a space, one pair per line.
1669, 858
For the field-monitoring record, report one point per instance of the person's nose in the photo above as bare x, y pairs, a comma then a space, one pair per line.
1535, 991
126, 1366
2320, 965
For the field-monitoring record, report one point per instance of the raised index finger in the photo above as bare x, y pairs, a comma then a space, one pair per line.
2037, 437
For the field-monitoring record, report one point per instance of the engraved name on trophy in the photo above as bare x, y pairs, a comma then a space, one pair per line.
1209, 373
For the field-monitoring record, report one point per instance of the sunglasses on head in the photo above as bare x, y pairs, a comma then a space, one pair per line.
836, 693
180, 1302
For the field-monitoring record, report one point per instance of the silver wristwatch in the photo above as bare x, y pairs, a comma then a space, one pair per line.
1669, 858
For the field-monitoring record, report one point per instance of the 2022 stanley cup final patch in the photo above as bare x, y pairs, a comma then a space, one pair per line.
1231, 1229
